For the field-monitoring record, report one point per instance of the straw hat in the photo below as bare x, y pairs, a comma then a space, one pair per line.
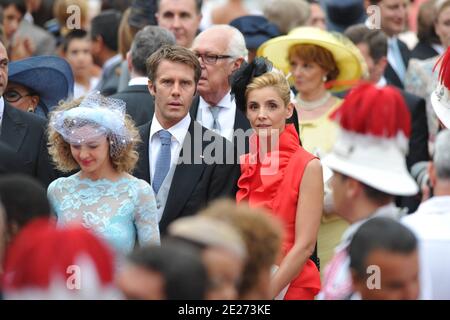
348, 59
373, 140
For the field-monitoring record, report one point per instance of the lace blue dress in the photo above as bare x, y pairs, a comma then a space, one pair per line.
118, 211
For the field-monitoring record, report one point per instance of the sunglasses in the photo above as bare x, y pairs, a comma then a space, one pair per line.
14, 96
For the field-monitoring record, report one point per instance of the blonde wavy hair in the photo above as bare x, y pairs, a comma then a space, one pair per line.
261, 232
59, 149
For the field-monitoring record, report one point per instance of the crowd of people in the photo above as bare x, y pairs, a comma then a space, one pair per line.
225, 150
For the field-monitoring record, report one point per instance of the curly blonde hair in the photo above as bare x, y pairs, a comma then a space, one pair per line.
59, 149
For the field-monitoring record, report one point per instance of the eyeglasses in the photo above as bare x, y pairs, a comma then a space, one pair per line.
211, 58
14, 96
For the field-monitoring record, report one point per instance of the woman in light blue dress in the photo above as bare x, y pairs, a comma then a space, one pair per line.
96, 137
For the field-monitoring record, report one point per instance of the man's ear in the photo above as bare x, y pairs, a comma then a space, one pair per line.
357, 282
354, 187
129, 61
432, 173
157, 17
237, 63
151, 88
382, 64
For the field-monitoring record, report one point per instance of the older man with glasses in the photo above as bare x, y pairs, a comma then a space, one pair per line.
221, 50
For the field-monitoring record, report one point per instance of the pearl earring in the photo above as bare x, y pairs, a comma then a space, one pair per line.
324, 78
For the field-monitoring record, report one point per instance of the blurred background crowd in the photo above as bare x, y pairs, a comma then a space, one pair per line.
98, 96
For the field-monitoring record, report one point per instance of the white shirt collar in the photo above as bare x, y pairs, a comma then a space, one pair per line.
224, 103
112, 61
138, 81
439, 48
382, 82
2, 109
178, 131
389, 210
435, 205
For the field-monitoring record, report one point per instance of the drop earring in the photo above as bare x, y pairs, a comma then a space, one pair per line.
30, 109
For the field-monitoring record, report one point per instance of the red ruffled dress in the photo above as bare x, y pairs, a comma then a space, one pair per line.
275, 186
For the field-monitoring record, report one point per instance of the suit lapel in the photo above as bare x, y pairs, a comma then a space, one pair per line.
405, 53
194, 107
185, 177
144, 165
13, 128
392, 77
241, 121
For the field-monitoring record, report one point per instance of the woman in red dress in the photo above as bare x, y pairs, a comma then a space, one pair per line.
279, 175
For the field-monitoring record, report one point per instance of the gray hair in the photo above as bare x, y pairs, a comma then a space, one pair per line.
145, 43
287, 14
236, 45
441, 158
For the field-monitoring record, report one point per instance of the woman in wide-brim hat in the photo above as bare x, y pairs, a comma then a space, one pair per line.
38, 84
318, 62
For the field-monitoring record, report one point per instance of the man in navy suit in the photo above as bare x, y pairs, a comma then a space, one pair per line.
187, 165
373, 46
393, 21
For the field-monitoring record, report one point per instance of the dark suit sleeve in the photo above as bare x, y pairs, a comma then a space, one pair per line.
418, 143
224, 179
45, 171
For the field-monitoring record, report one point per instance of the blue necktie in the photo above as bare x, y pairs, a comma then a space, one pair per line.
215, 114
163, 160
399, 66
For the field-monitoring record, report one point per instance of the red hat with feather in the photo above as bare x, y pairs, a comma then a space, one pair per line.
440, 98
373, 139
45, 262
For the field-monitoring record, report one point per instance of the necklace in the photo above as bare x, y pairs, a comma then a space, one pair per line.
311, 105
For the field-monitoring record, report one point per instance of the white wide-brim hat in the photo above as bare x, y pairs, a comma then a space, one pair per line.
375, 161
440, 100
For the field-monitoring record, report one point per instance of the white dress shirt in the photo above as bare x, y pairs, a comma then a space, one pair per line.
431, 224
395, 61
2, 109
80, 90
178, 133
138, 81
226, 117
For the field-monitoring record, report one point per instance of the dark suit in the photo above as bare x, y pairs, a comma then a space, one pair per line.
24, 133
10, 161
418, 142
194, 184
140, 105
390, 75
240, 122
423, 51
109, 81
